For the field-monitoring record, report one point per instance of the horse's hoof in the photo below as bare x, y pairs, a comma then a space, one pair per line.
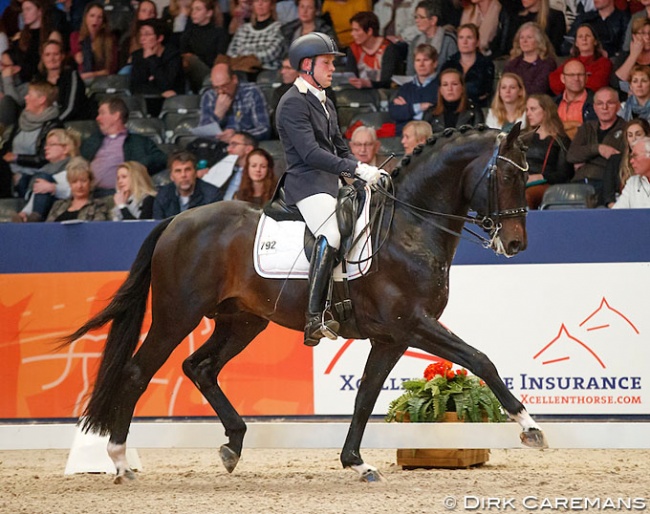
229, 458
534, 438
372, 476
123, 476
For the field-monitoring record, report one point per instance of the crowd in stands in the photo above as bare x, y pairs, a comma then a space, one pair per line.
137, 110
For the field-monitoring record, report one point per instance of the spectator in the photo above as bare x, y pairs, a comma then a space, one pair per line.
186, 190
619, 169
575, 104
588, 50
13, 90
637, 104
550, 21
532, 58
234, 105
373, 59
94, 48
364, 145
157, 68
240, 145
597, 141
340, 12
639, 54
72, 100
36, 30
485, 15
547, 148
26, 144
509, 104
609, 24
636, 193
241, 14
431, 31
644, 12
261, 37
415, 133
113, 145
258, 180
50, 181
309, 20
80, 205
176, 16
453, 109
130, 40
414, 98
135, 193
202, 42
477, 69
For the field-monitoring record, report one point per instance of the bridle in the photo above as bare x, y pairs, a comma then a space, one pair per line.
491, 222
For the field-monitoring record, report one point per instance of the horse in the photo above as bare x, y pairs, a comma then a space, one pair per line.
199, 263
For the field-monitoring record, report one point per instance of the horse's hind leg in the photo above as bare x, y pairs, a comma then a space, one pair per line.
232, 334
161, 340
382, 359
432, 337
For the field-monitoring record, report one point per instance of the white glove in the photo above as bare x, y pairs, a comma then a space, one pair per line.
368, 173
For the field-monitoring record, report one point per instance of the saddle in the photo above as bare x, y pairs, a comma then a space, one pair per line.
349, 206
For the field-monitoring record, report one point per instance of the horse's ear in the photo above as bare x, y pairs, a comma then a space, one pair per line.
513, 135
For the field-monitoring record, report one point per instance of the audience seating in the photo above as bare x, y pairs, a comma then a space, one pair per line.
372, 119
275, 148
179, 125
569, 196
271, 77
137, 106
9, 207
150, 127
180, 104
109, 84
85, 128
391, 145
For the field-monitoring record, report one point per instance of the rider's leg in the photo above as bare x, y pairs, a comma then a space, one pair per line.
319, 214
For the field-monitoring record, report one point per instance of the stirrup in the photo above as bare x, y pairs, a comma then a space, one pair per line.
325, 328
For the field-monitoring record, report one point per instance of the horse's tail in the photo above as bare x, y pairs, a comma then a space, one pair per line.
126, 311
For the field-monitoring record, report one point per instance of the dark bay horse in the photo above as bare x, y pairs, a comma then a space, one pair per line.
200, 264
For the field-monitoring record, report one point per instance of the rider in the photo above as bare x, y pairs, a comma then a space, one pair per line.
317, 156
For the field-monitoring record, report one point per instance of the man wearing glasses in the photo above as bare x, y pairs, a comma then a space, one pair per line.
596, 141
234, 106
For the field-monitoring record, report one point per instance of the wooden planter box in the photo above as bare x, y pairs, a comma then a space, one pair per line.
441, 458
429, 458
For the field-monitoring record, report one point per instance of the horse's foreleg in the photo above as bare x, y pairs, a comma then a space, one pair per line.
382, 359
231, 335
437, 340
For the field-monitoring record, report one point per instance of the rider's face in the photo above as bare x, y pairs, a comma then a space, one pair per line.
323, 69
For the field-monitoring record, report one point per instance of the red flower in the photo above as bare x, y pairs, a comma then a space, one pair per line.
450, 374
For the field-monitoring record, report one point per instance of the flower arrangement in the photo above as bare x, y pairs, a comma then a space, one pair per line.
445, 390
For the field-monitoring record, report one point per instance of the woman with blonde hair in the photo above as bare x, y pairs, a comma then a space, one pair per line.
415, 133
509, 103
532, 58
258, 180
80, 205
94, 48
547, 149
50, 182
551, 21
134, 193
619, 169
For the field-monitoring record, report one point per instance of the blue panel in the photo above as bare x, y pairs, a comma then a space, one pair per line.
577, 236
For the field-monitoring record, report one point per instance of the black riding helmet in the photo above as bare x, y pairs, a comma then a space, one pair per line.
309, 46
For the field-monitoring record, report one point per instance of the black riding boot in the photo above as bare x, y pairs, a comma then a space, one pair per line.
320, 273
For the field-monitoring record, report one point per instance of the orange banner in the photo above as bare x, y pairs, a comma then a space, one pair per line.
272, 377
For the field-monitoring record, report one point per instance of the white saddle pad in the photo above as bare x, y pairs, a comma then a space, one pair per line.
279, 248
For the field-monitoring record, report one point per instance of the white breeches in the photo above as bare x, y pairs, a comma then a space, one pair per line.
319, 212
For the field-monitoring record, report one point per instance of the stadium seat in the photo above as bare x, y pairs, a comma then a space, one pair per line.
180, 125
358, 98
9, 207
180, 104
153, 128
569, 196
109, 84
137, 106
85, 128
272, 77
